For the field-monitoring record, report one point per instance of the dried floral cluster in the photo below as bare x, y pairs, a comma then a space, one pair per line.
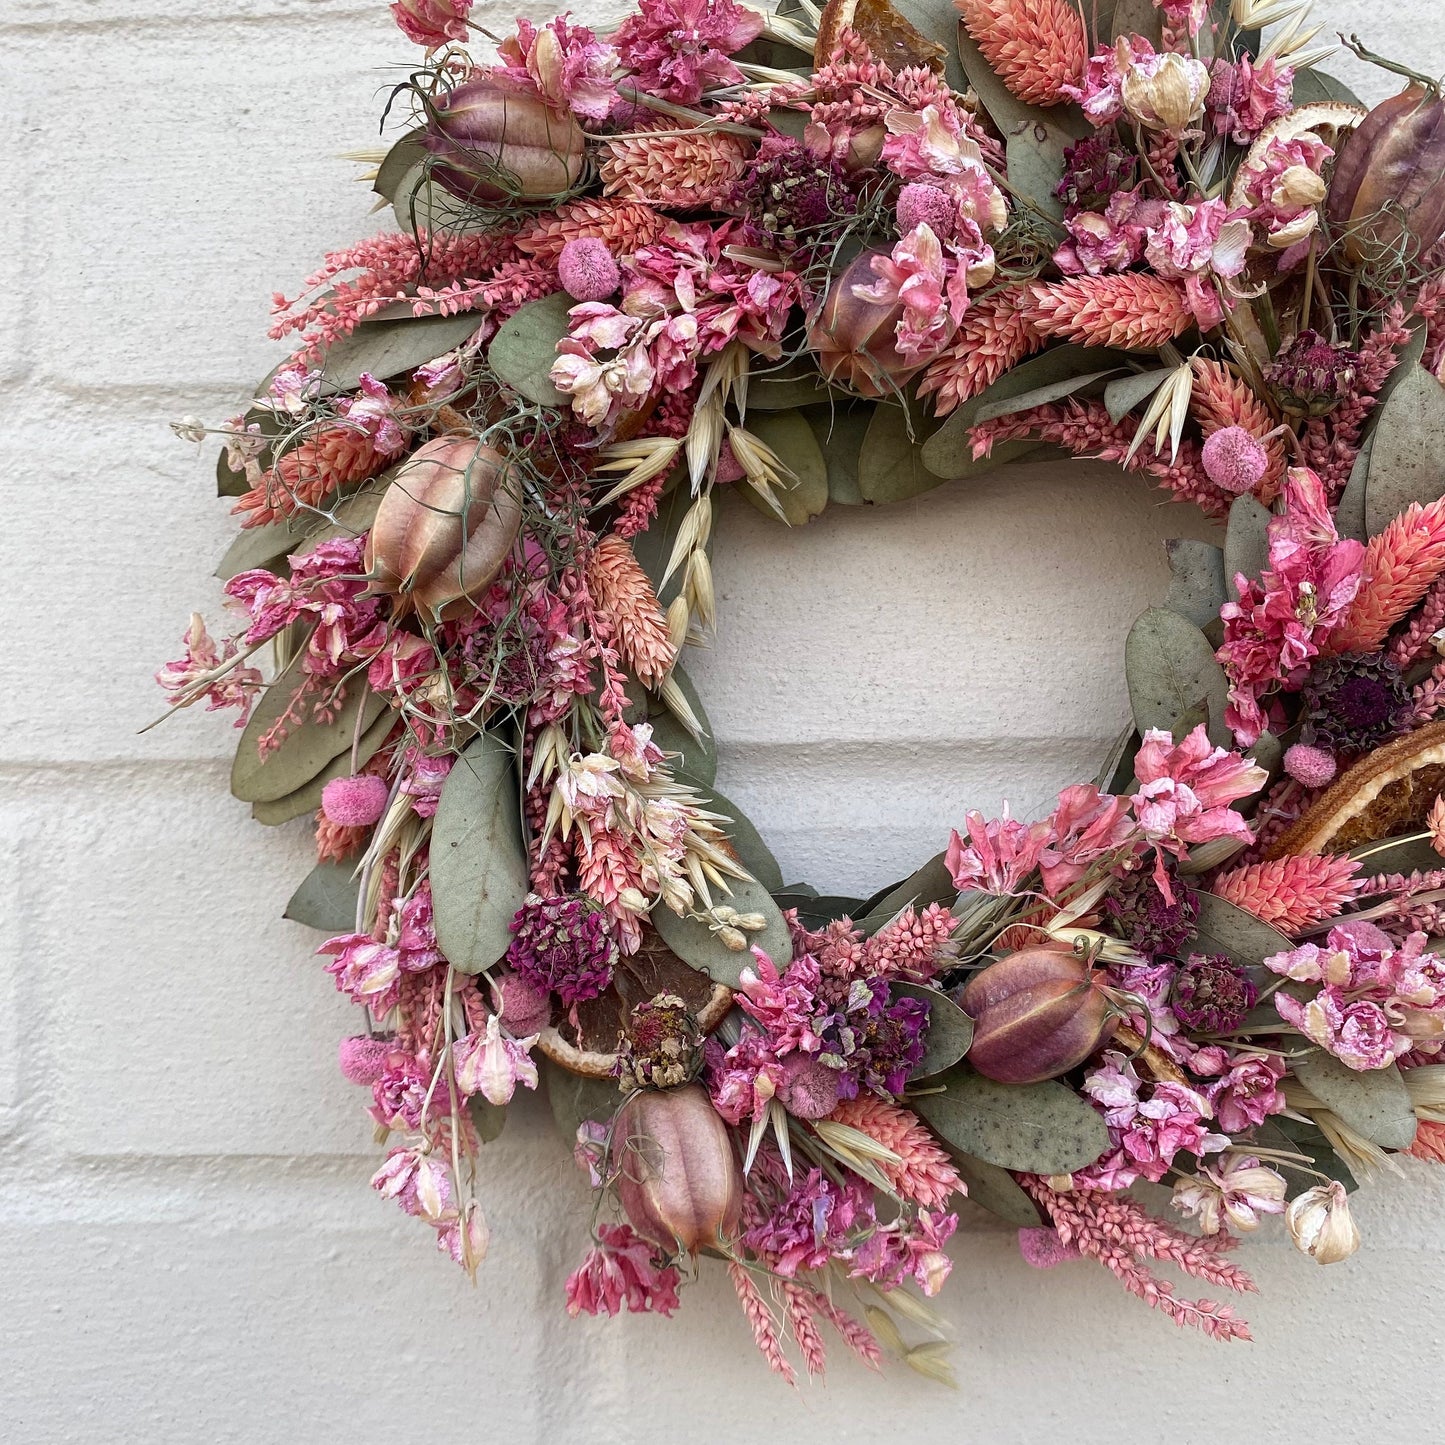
718, 248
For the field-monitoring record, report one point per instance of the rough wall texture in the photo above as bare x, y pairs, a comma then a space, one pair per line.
190, 1251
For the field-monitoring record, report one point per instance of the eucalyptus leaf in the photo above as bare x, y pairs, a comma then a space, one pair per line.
1172, 673
1035, 156
351, 517
996, 1190
753, 853
1011, 115
263, 546
1350, 512
525, 347
326, 899
1296, 1136
422, 204
840, 432
815, 910
1196, 585
307, 747
787, 387
576, 1099
950, 1030
307, 798
793, 441
407, 153
1400, 856
488, 1119
890, 463
1041, 396
1138, 17
948, 453
1246, 542
1222, 927
1313, 86
385, 349
1122, 395
1117, 769
479, 872
1405, 463
698, 946
697, 757
1028, 1128
1372, 1102
932, 883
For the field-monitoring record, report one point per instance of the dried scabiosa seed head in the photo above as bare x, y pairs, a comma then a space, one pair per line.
660, 1048
1153, 924
1212, 993
1093, 170
1312, 376
1353, 703
789, 197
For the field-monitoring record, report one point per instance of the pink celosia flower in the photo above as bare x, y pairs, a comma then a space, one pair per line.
1185, 790
677, 48
567, 64
432, 22
201, 668
620, 1270
1248, 1089
999, 855
492, 1064
1237, 1192
1280, 620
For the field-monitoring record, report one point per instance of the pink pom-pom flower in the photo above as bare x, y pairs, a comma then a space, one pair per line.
1235, 460
355, 802
587, 270
920, 204
363, 1059
1313, 767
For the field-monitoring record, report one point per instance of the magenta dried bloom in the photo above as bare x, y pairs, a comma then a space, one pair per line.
1145, 918
563, 945
920, 204
1235, 460
363, 1059
1212, 993
1094, 170
355, 802
789, 196
1312, 376
587, 269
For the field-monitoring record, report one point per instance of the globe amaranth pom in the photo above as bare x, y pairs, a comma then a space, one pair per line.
1235, 460
363, 1059
1145, 918
1353, 703
1212, 993
924, 205
563, 945
355, 802
809, 1089
587, 270
1313, 767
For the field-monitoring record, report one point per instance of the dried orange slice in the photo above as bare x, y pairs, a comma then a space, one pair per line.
1387, 793
590, 1046
890, 37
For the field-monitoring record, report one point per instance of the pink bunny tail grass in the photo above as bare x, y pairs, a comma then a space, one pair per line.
760, 1317
926, 1174
1115, 1230
1293, 892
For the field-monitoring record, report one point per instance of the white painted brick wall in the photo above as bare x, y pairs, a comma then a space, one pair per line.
189, 1249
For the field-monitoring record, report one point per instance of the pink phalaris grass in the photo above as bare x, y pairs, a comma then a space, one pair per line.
625, 227
760, 1318
390, 265
926, 1174
994, 336
1331, 446
623, 594
1037, 47
1086, 430
1428, 698
1116, 1230
1429, 1142
330, 457
1293, 892
1133, 310
1220, 399
858, 1337
1413, 644
660, 165
1401, 564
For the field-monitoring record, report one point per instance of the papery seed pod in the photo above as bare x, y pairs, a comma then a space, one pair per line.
493, 144
445, 525
1036, 1014
678, 1178
855, 340
1386, 190
1320, 1225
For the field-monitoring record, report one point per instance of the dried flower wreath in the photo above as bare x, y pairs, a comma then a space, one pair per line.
837, 257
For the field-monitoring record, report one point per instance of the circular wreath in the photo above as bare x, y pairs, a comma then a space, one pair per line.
836, 258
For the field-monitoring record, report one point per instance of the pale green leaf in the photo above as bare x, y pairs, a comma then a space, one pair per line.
525, 347
1172, 675
1372, 1102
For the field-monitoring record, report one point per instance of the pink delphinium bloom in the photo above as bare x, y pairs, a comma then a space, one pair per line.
589, 1152
432, 22
1085, 828
1101, 95
1275, 629
932, 290
1246, 1090
202, 673
492, 1064
677, 48
907, 1249
419, 1183
374, 411
619, 1270
1112, 240
813, 1224
399, 1094
999, 855
1283, 187
782, 1004
1186, 14
1236, 1193
363, 968
1245, 97
1193, 244
567, 64
743, 1080
1184, 794
422, 779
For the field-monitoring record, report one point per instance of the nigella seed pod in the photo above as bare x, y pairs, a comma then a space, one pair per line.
855, 339
492, 144
678, 1178
1036, 1014
445, 525
1385, 195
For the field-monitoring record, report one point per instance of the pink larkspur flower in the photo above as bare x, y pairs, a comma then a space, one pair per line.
743, 1080
999, 855
1101, 94
1238, 1192
1111, 240
236, 687
1247, 1090
677, 48
492, 1064
432, 22
374, 411
907, 1249
1086, 827
933, 293
417, 1182
620, 1271
1193, 243
1244, 98
422, 780
566, 64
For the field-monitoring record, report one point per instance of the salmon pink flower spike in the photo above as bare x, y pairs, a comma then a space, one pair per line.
432, 22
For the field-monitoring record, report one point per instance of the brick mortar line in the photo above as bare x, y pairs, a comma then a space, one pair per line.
64, 26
